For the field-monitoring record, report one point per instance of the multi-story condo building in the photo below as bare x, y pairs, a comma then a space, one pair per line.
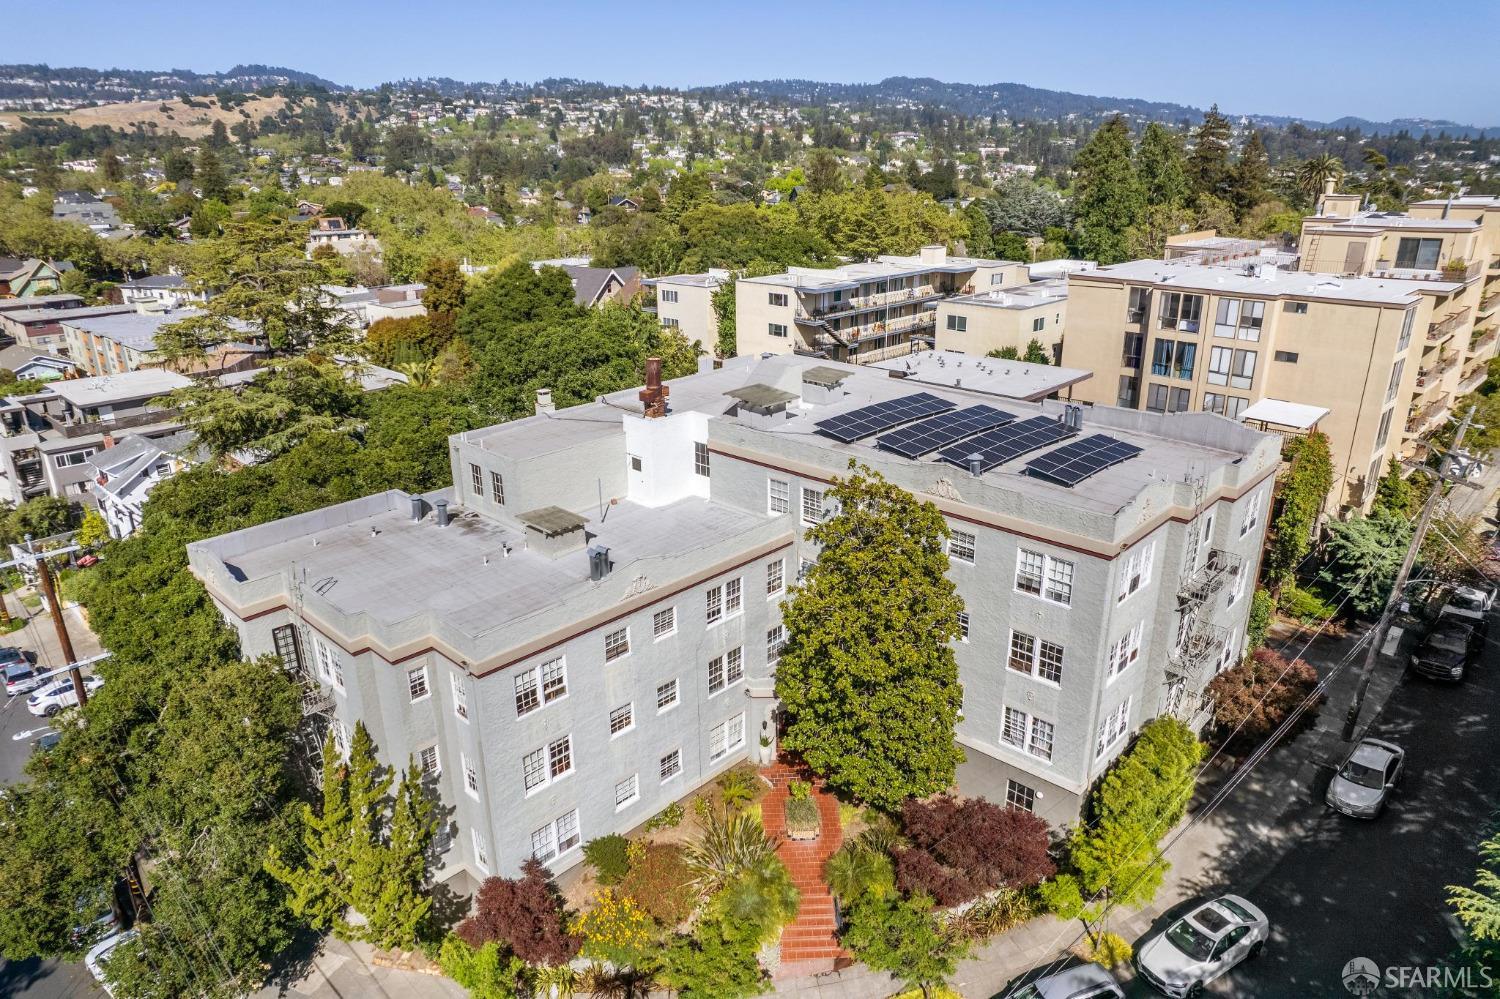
587, 626
1005, 317
42, 329
860, 312
119, 342
1180, 335
685, 302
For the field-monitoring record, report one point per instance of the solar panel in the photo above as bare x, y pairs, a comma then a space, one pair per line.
1004, 443
945, 428
867, 420
1072, 463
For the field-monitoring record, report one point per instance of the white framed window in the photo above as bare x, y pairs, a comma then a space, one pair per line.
554, 680
534, 769
1018, 795
460, 688
671, 765
481, 851
617, 644
1112, 728
812, 506
1044, 576
725, 737
1124, 651
1027, 733
560, 757
664, 623
775, 577
778, 496
341, 738
725, 671
622, 719
556, 837
1252, 514
326, 659
713, 605
497, 488
668, 295
627, 791
428, 761
471, 776
775, 641
666, 696
963, 626
958, 324
1035, 657
476, 479
528, 693
961, 547
776, 329
777, 298
1137, 571
1038, 324
416, 683
734, 601
1237, 589
700, 458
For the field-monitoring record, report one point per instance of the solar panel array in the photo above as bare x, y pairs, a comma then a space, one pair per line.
930, 434
1011, 441
867, 420
1072, 463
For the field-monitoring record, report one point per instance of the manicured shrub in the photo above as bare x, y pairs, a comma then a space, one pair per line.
526, 914
615, 929
609, 856
961, 848
661, 882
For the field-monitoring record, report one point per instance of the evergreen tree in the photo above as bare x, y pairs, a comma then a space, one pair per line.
1108, 197
319, 887
111, 167
178, 166
446, 288
218, 136
1394, 493
1208, 169
211, 179
1160, 164
823, 175
980, 241
1251, 175
1036, 353
867, 677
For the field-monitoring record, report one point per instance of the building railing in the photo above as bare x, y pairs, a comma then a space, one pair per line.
1433, 374
1483, 337
1471, 380
901, 324
1445, 326
1420, 419
881, 300
1209, 578
1200, 645
1466, 273
1488, 304
84, 427
884, 353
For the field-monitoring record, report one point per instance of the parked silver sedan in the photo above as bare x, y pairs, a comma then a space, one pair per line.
1366, 778
1202, 945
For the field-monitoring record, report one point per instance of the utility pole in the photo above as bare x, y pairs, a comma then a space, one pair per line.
1383, 627
49, 591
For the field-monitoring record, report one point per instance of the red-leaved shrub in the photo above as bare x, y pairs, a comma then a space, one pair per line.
526, 914
962, 848
1250, 700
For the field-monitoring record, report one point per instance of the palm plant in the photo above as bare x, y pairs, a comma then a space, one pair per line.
763, 896
854, 869
419, 374
1315, 173
556, 981
732, 843
616, 983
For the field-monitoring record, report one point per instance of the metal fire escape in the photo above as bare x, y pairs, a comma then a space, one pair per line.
295, 651
1199, 640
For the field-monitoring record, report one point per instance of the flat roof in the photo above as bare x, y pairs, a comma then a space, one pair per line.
710, 279
994, 376
552, 520
136, 330
1026, 296
824, 375
63, 315
143, 383
880, 269
1376, 221
1297, 415
761, 396
1266, 282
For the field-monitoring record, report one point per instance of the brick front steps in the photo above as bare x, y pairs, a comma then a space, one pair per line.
809, 942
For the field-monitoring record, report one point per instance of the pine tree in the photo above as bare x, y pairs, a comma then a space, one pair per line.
1036, 353
319, 886
867, 677
211, 179
1159, 163
1208, 168
1251, 174
397, 905
1108, 197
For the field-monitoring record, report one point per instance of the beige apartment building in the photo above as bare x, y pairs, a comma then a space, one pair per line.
1384, 356
1005, 317
860, 312
685, 302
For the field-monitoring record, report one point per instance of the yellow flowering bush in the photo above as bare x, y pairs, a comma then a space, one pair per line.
614, 929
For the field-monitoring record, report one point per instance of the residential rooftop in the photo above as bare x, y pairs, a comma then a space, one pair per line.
712, 278
65, 315
1266, 280
819, 279
1005, 378
1377, 221
144, 383
136, 330
1026, 296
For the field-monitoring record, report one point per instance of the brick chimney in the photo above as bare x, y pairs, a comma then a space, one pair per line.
654, 395
108, 442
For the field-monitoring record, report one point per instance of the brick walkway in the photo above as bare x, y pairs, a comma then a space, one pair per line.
808, 945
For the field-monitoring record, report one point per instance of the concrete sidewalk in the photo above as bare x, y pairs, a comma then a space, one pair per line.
343, 970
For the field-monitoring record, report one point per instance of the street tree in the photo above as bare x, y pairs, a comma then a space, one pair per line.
867, 677
900, 935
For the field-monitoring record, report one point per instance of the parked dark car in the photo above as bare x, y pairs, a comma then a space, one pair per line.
1449, 648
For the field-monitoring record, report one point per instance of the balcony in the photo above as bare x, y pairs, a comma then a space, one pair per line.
1433, 374
1199, 645
1487, 305
1463, 274
1444, 328
1472, 379
881, 300
1209, 578
1483, 337
1135, 316
1423, 418
853, 334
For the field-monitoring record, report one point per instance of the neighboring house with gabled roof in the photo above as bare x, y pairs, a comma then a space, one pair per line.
28, 363
29, 277
594, 286
125, 472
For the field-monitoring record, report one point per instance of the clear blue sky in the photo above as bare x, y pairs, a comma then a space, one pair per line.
1313, 58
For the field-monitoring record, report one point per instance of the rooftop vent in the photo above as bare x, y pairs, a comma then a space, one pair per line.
553, 531
442, 512
599, 563
418, 508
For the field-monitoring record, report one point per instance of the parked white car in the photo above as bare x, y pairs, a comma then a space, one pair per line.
59, 694
1202, 945
1471, 602
98, 954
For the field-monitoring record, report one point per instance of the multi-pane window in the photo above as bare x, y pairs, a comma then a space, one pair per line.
622, 719
1027, 733
1384, 433
1418, 254
627, 791
1243, 373
1040, 744
666, 695
460, 689
616, 644
963, 626
1237, 317
1220, 359
471, 776
664, 623
812, 506
775, 577
1174, 359
725, 737
554, 680
534, 769
1140, 300
1137, 571
1252, 514
1056, 584
528, 695
778, 496
775, 640
958, 324
497, 488
560, 757
961, 547
427, 759
481, 850
667, 294
733, 597
287, 648
1237, 589
726, 670
1030, 567
556, 838
700, 458
776, 329
1036, 657
1163, 399
1407, 322
1181, 312
1112, 728
541, 685
776, 298
416, 682
713, 609
1018, 795
1038, 324
671, 765
327, 661
1395, 381
476, 477
1124, 651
